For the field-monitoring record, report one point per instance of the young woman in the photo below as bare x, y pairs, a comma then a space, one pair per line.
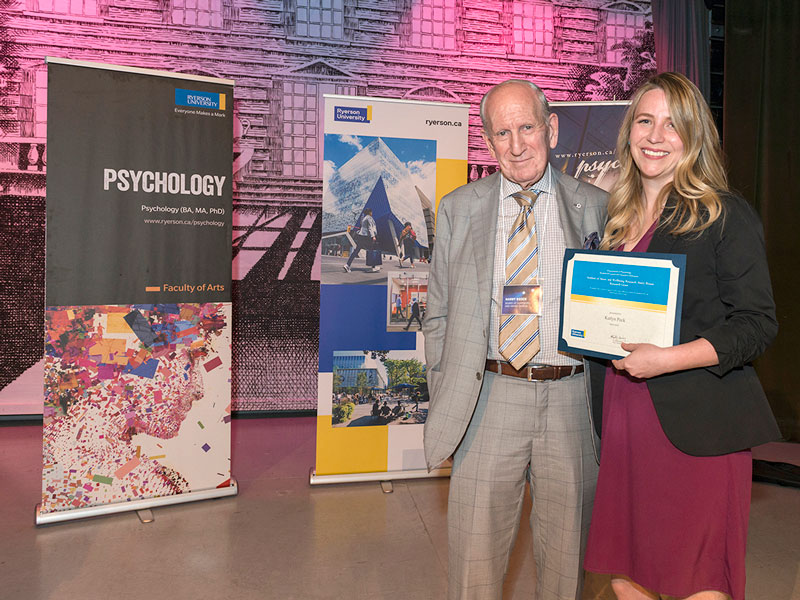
673, 494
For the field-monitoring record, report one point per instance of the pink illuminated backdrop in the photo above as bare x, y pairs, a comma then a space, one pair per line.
284, 56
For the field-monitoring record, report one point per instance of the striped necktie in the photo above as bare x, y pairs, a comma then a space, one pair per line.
519, 334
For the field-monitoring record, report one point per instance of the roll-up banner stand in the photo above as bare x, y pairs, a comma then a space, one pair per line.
392, 158
137, 394
387, 163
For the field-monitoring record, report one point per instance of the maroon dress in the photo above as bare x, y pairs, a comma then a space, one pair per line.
674, 523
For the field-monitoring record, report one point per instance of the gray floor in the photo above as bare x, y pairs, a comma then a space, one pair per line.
282, 539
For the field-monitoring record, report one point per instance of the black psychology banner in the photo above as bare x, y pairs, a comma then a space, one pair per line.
137, 394
138, 187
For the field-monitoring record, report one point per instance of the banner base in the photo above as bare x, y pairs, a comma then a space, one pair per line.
314, 479
135, 505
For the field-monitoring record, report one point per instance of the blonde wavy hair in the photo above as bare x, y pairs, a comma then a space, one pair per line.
694, 193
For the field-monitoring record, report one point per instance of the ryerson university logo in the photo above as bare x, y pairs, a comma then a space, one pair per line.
353, 114
163, 182
197, 99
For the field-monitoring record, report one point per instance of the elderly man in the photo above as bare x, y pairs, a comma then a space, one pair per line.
504, 403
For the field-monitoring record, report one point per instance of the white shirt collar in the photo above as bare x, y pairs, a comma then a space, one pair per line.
544, 185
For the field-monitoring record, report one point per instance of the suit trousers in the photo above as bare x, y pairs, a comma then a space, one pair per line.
521, 431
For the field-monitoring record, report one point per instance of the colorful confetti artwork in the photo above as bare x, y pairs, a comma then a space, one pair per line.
137, 402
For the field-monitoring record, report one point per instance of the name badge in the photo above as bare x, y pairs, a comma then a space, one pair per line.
522, 299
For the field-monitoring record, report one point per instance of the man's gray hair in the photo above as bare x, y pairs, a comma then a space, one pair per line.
545, 105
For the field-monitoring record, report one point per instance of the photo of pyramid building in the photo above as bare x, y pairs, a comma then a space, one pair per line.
376, 178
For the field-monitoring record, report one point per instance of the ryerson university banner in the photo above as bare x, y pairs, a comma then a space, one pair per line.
137, 394
387, 164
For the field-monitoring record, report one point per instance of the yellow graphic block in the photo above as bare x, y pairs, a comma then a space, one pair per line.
450, 174
351, 449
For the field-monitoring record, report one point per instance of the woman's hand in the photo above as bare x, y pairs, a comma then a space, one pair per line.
649, 360
644, 360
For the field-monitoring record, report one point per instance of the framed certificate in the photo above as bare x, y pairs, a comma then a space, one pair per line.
612, 297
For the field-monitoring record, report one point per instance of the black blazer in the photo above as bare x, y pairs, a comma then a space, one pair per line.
728, 301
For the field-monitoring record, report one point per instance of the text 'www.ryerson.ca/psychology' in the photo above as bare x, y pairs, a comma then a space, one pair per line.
192, 222
163, 182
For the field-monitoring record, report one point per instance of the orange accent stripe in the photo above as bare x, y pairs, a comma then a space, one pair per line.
152, 288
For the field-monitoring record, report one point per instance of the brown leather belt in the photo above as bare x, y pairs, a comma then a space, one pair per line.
532, 373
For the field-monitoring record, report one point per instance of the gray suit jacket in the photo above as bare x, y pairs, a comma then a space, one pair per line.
459, 296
